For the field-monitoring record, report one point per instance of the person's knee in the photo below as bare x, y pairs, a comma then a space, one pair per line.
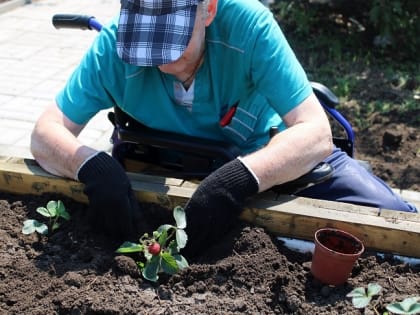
353, 183
399, 205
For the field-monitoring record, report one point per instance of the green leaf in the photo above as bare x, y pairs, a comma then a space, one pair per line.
65, 215
60, 206
169, 264
407, 306
45, 212
357, 292
414, 309
373, 289
147, 255
163, 238
151, 269
180, 219
52, 207
165, 227
129, 247
359, 297
28, 227
395, 308
61, 211
181, 238
361, 302
156, 234
41, 228
181, 261
410, 302
31, 226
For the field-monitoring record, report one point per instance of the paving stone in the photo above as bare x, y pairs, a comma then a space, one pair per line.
11, 135
35, 62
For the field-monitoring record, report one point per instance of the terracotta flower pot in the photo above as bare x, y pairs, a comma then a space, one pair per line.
334, 256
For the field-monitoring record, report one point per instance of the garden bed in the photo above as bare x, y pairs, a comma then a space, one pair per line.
76, 271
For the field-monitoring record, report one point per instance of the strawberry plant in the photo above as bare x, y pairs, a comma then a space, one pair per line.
53, 211
408, 306
161, 250
362, 297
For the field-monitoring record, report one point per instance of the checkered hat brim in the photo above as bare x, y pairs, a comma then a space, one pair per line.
152, 33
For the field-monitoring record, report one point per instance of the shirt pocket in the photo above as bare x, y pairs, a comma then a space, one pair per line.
242, 125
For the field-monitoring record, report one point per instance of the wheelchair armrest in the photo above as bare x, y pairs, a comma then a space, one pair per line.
325, 95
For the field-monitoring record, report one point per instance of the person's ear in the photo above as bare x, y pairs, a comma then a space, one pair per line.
212, 10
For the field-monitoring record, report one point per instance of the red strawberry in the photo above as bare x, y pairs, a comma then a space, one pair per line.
154, 249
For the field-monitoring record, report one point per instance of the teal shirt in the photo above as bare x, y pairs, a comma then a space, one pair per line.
247, 62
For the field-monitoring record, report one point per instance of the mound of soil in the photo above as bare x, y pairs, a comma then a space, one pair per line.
75, 271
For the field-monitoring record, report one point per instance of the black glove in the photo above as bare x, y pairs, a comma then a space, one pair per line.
113, 208
216, 205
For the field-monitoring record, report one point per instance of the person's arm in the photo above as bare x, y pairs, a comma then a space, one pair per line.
220, 197
296, 150
54, 143
113, 208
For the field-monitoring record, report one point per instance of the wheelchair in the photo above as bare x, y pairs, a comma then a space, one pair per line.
141, 149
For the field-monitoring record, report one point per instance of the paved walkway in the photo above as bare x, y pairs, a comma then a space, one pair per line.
35, 61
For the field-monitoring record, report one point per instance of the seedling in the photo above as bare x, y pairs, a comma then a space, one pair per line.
161, 250
362, 297
54, 211
408, 306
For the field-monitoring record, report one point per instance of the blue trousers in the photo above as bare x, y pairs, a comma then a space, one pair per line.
352, 183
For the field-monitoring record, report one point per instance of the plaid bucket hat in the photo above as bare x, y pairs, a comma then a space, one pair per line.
154, 32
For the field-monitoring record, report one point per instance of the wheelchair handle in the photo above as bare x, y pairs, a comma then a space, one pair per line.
76, 21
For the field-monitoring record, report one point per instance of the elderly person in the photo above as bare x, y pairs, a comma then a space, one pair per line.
180, 66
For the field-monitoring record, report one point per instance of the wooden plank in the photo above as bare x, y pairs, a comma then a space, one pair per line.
388, 231
24, 176
385, 230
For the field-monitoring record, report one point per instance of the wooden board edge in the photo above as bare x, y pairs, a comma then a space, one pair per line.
284, 215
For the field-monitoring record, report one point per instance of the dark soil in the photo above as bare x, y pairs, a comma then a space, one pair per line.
388, 140
75, 271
